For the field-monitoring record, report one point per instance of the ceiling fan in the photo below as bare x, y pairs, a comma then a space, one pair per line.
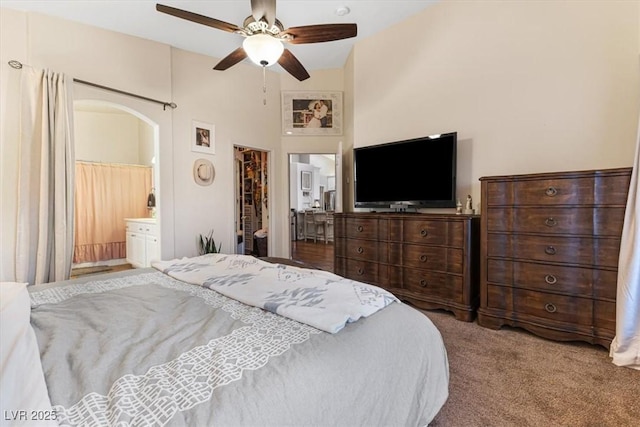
264, 36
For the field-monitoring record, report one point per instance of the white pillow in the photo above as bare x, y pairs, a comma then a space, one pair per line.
24, 399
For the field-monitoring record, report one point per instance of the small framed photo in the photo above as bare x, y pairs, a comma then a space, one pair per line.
203, 137
311, 113
305, 181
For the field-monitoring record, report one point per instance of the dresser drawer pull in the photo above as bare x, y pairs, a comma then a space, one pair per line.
423, 233
423, 258
550, 308
360, 228
360, 271
551, 191
550, 279
360, 250
550, 222
423, 283
550, 250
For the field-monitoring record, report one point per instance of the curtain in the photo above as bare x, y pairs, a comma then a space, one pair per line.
106, 194
44, 239
625, 348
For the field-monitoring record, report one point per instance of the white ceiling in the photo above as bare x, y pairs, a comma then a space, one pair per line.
139, 18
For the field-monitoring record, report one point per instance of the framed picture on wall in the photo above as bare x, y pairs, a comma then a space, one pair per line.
312, 113
203, 137
305, 181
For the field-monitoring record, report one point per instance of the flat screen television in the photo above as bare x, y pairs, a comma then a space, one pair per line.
418, 173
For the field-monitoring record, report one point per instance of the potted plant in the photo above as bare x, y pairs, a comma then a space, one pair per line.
207, 244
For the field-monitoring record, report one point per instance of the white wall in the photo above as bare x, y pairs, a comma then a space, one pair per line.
530, 86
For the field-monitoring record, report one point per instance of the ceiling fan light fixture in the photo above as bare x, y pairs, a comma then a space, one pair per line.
263, 49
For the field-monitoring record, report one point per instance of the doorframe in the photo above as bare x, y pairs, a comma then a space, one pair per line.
155, 127
339, 190
270, 210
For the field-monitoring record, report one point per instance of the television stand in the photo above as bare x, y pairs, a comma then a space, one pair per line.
429, 260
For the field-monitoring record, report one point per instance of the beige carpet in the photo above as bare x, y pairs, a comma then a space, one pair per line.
510, 377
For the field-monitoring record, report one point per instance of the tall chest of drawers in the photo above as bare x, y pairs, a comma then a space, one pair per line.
549, 257
428, 260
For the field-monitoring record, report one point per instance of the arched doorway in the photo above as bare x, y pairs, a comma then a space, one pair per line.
120, 139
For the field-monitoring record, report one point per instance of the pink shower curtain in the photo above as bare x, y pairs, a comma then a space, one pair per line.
106, 194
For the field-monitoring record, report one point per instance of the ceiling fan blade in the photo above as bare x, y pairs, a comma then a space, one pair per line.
200, 19
321, 33
292, 65
264, 9
230, 60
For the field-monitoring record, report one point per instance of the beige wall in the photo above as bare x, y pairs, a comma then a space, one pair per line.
321, 80
530, 86
111, 137
13, 45
231, 100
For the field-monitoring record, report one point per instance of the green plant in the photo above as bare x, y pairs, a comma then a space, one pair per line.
207, 244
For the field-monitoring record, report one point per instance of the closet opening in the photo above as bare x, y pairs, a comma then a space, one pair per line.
251, 219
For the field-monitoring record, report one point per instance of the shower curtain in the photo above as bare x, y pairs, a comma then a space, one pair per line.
106, 194
625, 348
44, 239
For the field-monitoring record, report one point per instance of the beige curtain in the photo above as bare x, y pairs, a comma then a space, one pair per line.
44, 239
625, 348
106, 194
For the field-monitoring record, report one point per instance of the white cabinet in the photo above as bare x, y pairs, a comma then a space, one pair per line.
142, 241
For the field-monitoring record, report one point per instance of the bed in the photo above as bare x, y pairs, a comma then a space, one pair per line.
207, 341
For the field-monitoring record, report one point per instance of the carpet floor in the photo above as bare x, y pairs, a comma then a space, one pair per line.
510, 377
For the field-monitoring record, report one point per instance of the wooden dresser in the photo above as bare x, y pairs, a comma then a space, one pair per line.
428, 260
550, 245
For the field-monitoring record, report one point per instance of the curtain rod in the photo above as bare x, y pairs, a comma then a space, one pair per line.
18, 65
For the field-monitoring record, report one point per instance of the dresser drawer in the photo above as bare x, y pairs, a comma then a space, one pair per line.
558, 191
361, 228
545, 277
362, 249
362, 271
434, 284
612, 189
553, 220
604, 315
555, 307
589, 251
432, 258
434, 232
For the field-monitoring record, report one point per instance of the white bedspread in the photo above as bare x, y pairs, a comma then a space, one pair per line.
317, 298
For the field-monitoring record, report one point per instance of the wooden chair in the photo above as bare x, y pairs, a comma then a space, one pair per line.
315, 225
320, 225
309, 227
329, 228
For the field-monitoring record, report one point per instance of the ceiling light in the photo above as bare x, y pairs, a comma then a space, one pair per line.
342, 10
263, 49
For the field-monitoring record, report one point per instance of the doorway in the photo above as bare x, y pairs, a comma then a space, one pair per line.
116, 150
251, 219
312, 203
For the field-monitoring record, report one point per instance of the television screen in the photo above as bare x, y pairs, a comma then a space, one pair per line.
419, 172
